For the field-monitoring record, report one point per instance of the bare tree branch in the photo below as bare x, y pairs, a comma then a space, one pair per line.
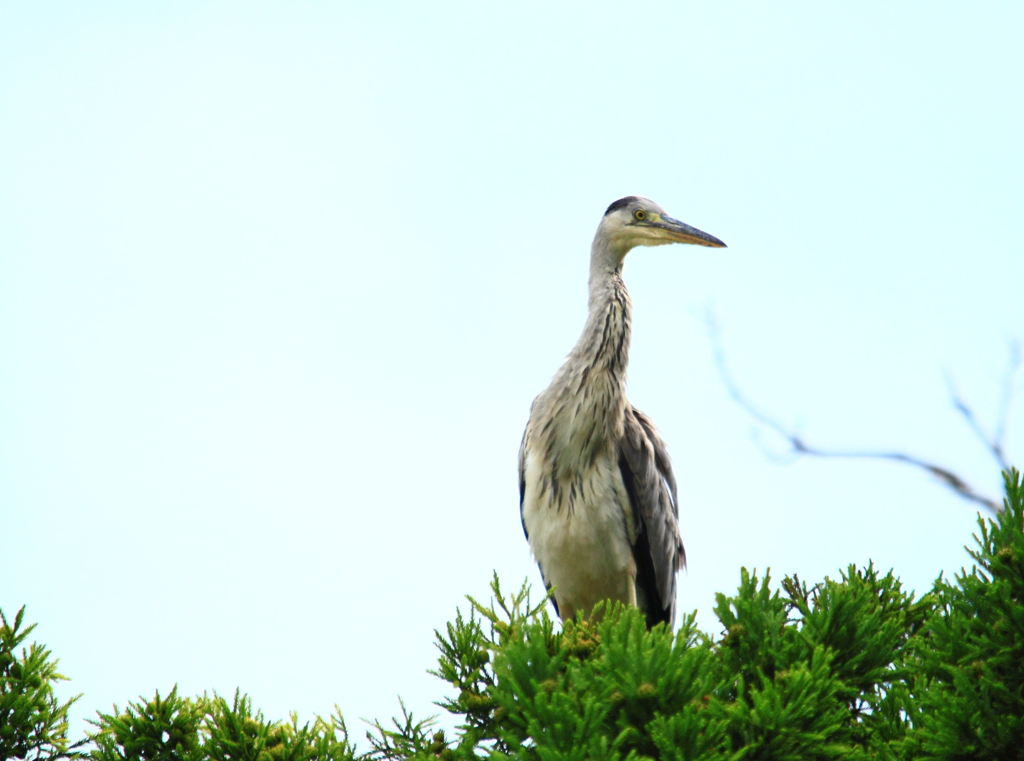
799, 446
1009, 390
994, 444
961, 406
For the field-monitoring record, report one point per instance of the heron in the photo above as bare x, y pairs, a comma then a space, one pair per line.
597, 494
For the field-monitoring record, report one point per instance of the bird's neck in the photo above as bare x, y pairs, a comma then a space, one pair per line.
585, 405
605, 339
604, 343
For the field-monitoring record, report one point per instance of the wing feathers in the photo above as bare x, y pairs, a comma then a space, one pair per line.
647, 473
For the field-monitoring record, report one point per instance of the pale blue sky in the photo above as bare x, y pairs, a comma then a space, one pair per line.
279, 282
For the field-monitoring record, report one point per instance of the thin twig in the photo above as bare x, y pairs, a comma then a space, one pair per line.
994, 444
961, 406
800, 446
1009, 390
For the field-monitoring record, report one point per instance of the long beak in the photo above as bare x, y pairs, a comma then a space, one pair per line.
681, 232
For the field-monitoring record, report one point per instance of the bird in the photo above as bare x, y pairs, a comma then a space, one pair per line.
597, 494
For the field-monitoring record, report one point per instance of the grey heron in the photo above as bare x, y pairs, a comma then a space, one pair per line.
597, 494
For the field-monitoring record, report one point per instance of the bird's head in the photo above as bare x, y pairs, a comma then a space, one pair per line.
634, 221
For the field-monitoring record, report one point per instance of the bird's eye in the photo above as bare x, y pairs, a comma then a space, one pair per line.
639, 215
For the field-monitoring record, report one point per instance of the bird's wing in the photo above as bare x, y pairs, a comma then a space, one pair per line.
658, 550
522, 478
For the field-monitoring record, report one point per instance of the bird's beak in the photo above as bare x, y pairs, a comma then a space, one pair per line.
680, 232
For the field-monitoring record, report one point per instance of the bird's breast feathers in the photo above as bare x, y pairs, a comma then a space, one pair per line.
581, 530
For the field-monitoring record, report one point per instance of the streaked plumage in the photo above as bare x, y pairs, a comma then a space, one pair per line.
597, 492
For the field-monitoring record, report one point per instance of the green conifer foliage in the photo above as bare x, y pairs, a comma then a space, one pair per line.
33, 723
853, 667
161, 729
174, 728
971, 657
